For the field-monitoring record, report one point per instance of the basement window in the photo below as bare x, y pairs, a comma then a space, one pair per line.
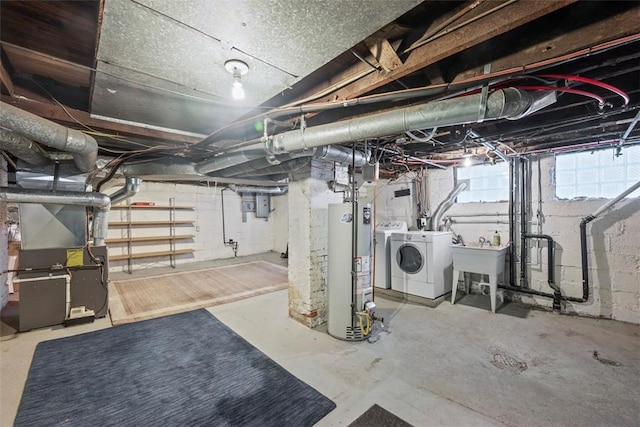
485, 183
597, 174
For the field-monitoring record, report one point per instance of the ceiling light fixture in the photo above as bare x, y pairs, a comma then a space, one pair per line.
467, 156
238, 69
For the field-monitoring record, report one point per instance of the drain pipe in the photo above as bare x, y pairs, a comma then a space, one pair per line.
98, 201
23, 148
131, 187
583, 236
557, 297
83, 147
230, 242
444, 206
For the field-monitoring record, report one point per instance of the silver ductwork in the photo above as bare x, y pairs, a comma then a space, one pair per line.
286, 167
98, 201
83, 147
501, 104
228, 160
275, 191
131, 187
444, 206
23, 148
236, 163
342, 155
260, 164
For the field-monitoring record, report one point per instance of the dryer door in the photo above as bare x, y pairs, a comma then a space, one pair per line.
409, 259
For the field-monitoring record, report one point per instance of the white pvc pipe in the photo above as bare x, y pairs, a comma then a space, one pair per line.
612, 202
62, 276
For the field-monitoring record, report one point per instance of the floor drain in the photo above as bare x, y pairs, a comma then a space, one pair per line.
508, 362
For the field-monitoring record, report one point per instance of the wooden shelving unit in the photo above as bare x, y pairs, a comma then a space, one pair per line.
168, 225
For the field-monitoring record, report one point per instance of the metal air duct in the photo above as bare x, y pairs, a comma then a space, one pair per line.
83, 147
23, 148
503, 103
444, 206
276, 191
100, 202
131, 187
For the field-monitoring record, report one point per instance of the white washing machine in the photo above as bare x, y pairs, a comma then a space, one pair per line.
382, 251
421, 263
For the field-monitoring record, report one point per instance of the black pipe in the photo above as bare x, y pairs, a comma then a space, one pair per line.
354, 239
585, 257
523, 224
512, 223
550, 267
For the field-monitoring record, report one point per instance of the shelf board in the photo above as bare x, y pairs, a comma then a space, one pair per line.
149, 238
150, 254
152, 207
143, 223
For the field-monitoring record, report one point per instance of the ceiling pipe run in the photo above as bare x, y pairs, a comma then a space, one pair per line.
83, 147
131, 187
500, 104
101, 203
23, 148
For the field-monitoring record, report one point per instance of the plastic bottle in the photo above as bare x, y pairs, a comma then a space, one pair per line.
496, 239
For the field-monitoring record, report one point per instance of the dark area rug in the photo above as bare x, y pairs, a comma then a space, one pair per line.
377, 416
188, 369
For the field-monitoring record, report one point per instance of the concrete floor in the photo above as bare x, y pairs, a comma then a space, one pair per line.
451, 365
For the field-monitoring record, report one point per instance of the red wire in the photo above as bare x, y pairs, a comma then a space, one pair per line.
592, 82
565, 89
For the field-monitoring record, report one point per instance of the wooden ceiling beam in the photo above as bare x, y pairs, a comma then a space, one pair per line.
58, 114
481, 30
611, 28
5, 80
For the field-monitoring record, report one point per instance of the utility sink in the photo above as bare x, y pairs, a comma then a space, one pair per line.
476, 259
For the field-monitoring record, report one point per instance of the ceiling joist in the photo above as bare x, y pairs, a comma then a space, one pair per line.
58, 114
495, 24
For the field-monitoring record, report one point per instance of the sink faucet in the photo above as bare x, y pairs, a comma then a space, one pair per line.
482, 241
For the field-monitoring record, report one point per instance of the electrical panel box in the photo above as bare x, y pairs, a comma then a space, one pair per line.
263, 205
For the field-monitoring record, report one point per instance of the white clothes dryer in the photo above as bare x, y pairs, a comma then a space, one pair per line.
421, 263
382, 251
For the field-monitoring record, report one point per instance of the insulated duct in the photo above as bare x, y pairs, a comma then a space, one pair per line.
83, 147
23, 148
444, 206
501, 104
276, 191
100, 202
131, 187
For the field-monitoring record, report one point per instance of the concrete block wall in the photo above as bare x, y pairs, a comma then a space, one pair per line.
390, 207
308, 202
614, 248
253, 236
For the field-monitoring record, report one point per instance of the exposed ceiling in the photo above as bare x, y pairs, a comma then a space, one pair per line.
152, 72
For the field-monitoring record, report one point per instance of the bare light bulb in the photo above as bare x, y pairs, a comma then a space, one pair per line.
467, 161
237, 92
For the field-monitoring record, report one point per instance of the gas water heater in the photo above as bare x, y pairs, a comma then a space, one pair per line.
350, 279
